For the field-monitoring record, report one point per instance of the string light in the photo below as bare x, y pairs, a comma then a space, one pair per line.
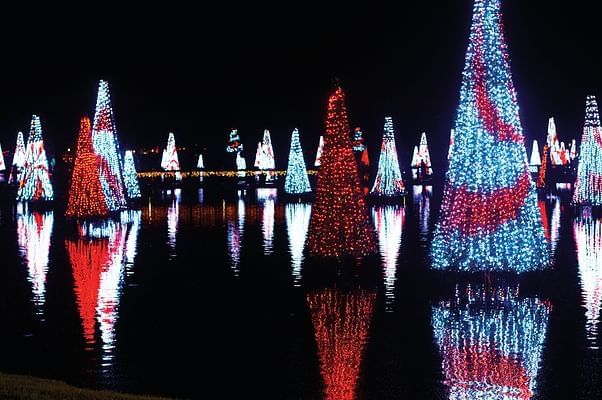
296, 181
339, 221
388, 181
588, 186
34, 179
489, 218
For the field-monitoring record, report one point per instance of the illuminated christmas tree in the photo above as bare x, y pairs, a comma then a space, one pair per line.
258, 156
18, 159
200, 165
542, 176
491, 342
106, 146
296, 181
319, 153
171, 154
451, 144
34, 181
339, 221
268, 151
360, 151
388, 181
164, 159
415, 161
86, 196
341, 328
130, 177
588, 186
489, 218
421, 161
573, 150
535, 158
234, 144
2, 165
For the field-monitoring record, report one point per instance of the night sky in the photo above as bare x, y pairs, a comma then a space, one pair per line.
199, 73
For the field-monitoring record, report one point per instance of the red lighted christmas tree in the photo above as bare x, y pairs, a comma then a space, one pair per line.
339, 221
86, 197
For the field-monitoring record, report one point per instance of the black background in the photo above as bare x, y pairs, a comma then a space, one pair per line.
200, 72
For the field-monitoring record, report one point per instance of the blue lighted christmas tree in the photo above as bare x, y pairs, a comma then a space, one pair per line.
388, 181
588, 186
489, 218
296, 181
34, 180
130, 177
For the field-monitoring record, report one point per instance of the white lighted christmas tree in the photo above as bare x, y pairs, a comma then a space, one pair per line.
200, 164
34, 181
319, 153
588, 186
296, 181
171, 161
18, 159
535, 161
388, 181
130, 176
421, 160
2, 165
258, 156
106, 145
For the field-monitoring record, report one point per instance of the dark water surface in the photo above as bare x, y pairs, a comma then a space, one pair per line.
200, 295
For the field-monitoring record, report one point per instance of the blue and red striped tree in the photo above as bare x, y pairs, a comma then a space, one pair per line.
489, 217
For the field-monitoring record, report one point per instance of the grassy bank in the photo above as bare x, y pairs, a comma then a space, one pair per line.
20, 387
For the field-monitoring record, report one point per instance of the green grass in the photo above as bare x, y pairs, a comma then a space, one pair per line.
20, 387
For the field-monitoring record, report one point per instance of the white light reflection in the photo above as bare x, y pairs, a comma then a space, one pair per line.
267, 198
297, 223
491, 342
588, 242
111, 283
422, 201
131, 244
235, 233
551, 225
388, 222
173, 214
34, 230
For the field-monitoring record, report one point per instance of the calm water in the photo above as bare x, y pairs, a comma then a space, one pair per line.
200, 295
